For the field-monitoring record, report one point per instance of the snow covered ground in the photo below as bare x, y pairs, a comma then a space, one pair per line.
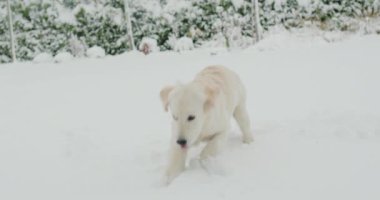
77, 129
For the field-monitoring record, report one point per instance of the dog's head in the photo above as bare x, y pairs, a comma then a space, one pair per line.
189, 105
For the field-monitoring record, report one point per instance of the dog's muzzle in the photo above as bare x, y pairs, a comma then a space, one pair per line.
182, 142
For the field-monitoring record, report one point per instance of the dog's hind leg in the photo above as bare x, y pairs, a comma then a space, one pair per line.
242, 118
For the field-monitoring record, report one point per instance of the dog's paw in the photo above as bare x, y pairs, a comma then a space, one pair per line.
161, 182
171, 174
213, 166
166, 180
248, 139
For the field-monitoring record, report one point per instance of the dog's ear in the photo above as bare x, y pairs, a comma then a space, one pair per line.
211, 94
164, 95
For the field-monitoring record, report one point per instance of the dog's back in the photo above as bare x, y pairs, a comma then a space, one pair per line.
225, 81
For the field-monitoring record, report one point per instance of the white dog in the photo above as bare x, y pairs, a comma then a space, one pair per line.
202, 112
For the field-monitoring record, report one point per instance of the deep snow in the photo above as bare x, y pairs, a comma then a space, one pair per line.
95, 128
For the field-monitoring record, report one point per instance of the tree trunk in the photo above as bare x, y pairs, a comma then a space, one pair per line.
129, 24
13, 51
256, 19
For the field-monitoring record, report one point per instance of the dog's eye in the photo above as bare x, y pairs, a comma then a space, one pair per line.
175, 118
190, 118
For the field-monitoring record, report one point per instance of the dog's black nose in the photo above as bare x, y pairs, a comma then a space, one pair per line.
181, 142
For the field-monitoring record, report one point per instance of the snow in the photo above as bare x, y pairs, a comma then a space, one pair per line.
63, 57
301, 2
89, 8
184, 44
95, 52
175, 5
95, 129
3, 11
43, 57
65, 15
238, 3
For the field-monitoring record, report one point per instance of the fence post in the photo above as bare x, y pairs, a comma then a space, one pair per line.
129, 24
256, 19
13, 51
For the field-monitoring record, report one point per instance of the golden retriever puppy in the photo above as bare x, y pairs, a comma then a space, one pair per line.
202, 112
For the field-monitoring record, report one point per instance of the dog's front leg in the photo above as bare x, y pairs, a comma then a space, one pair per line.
177, 160
214, 145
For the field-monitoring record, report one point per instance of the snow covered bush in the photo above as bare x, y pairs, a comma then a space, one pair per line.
63, 57
73, 25
101, 30
341, 15
37, 29
5, 53
202, 20
146, 24
95, 52
76, 47
70, 3
184, 44
148, 45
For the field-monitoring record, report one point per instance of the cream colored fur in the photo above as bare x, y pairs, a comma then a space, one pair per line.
213, 98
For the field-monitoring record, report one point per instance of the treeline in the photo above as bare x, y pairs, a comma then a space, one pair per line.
73, 25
